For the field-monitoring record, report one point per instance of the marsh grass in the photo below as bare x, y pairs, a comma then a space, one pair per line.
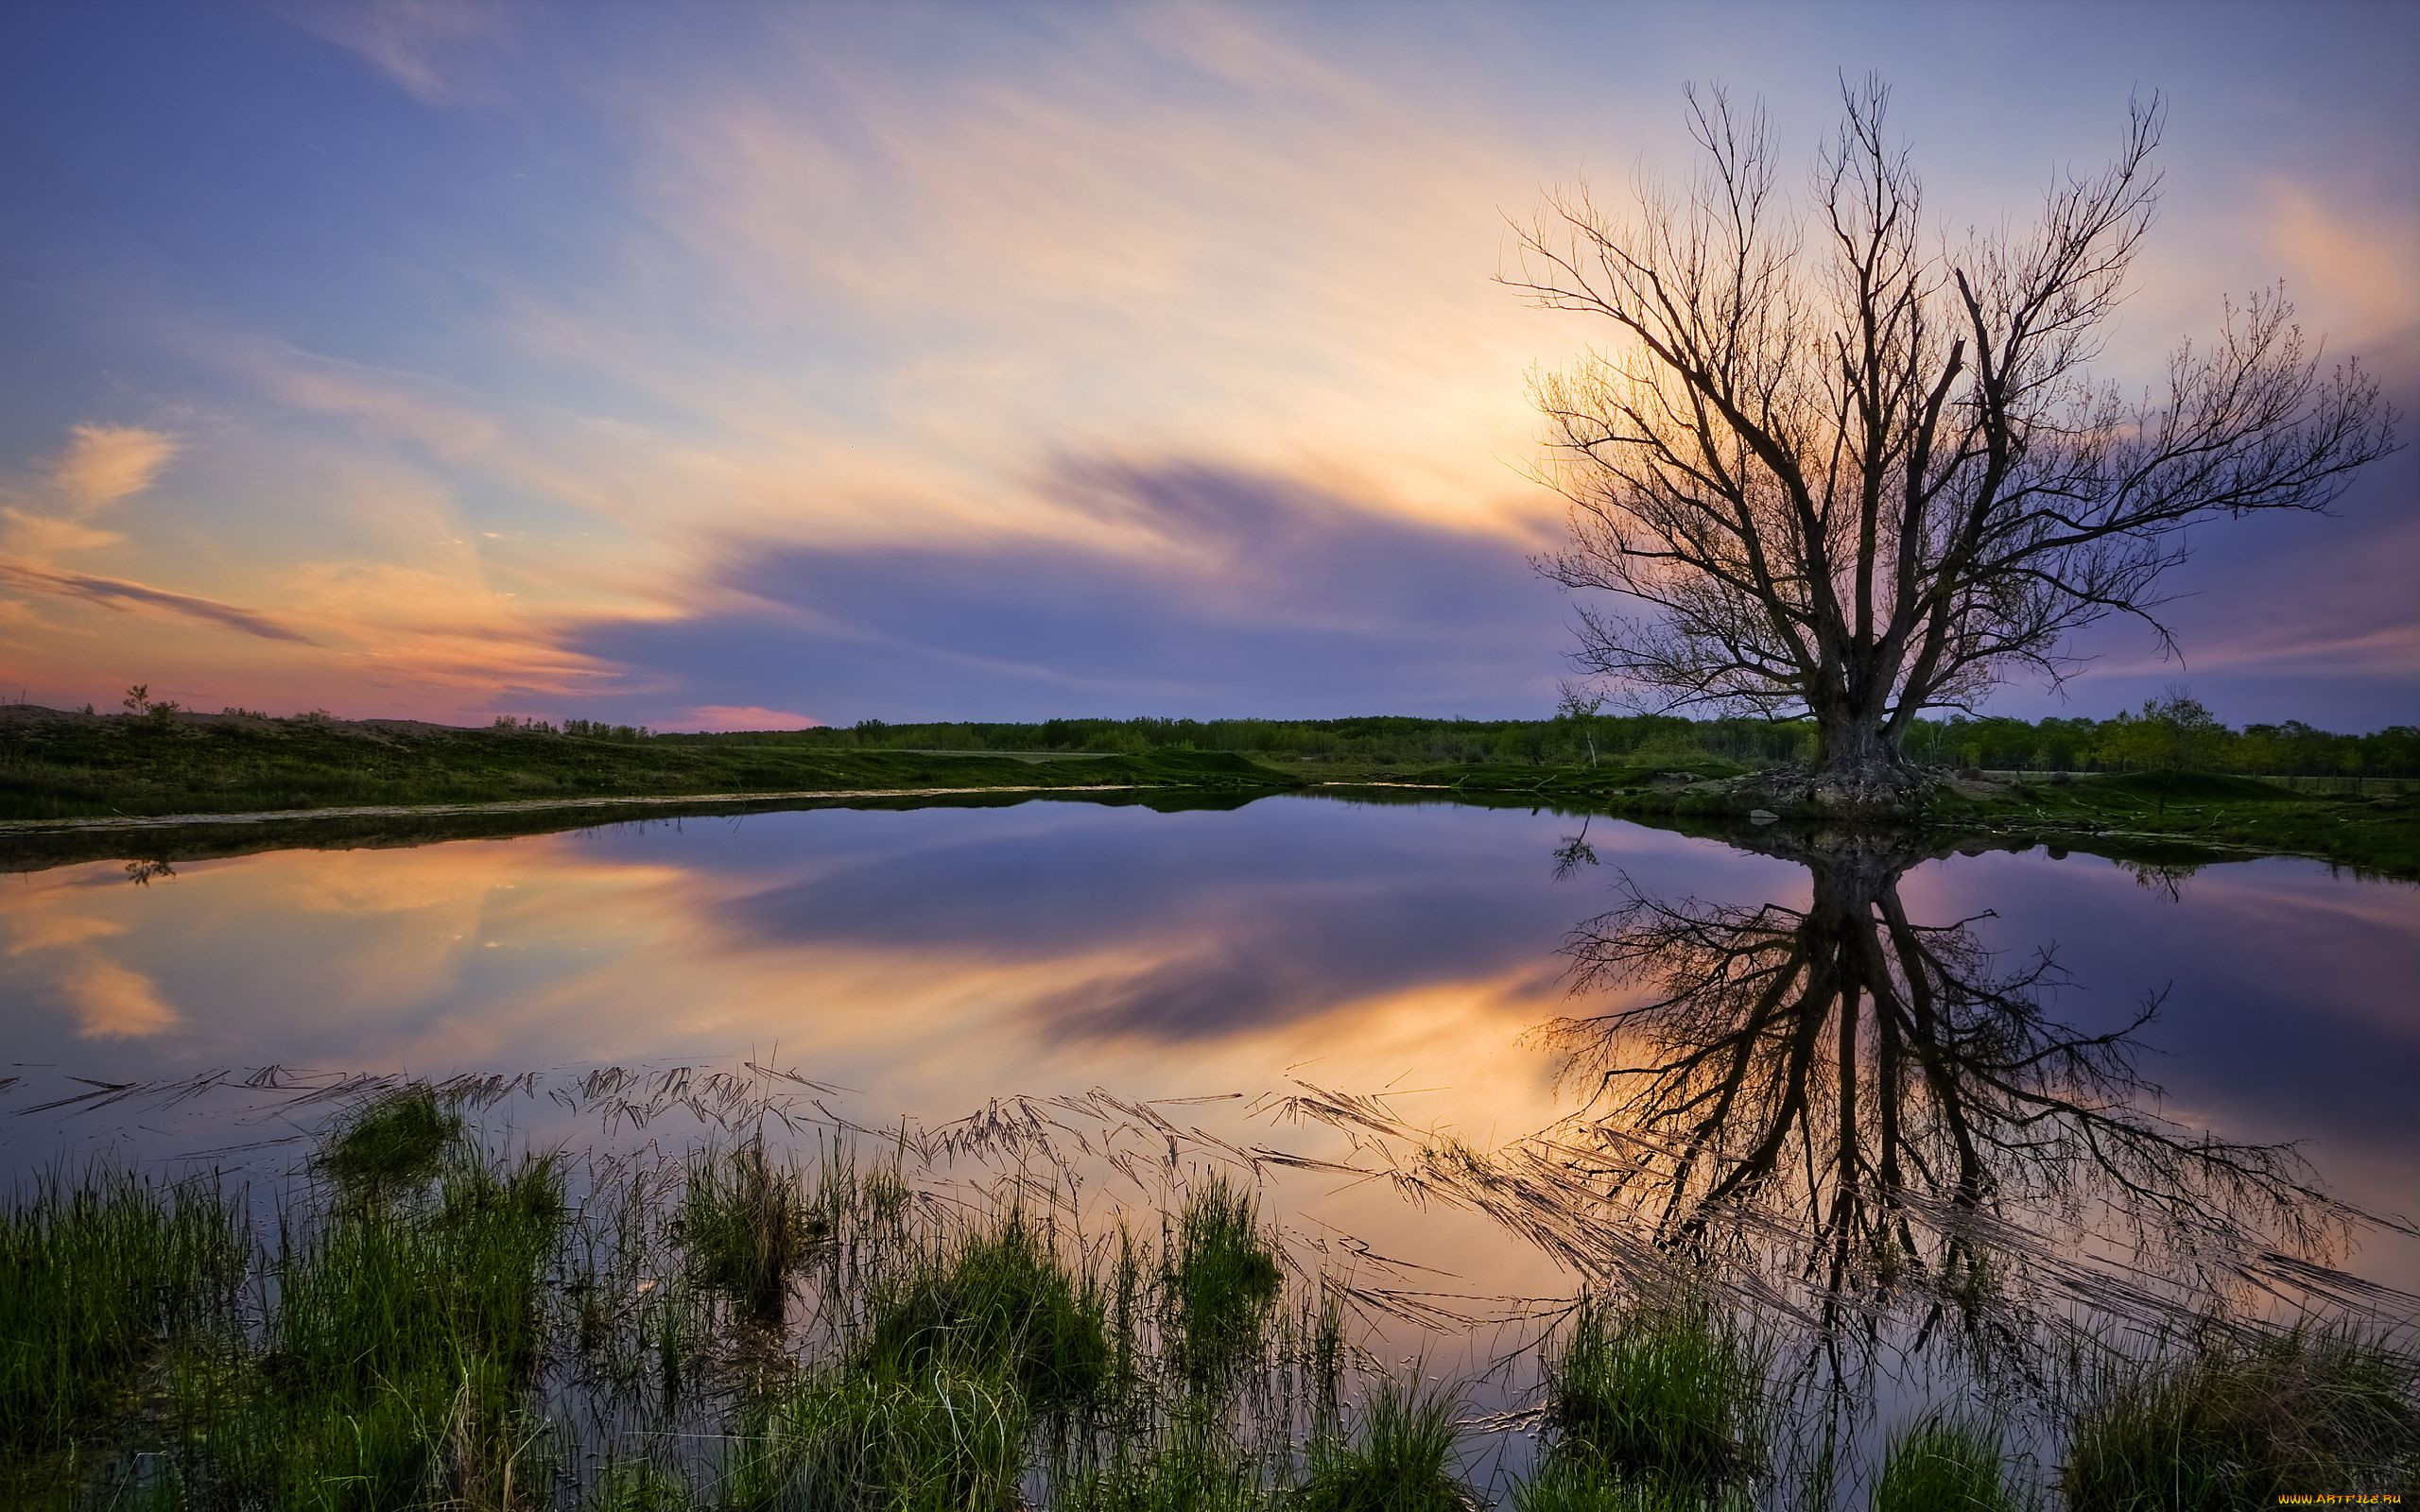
1223, 1282
994, 1302
397, 1357
1400, 1458
637, 1486
748, 1227
94, 1281
1664, 1398
391, 1144
1945, 1463
868, 1437
1195, 1466
743, 1329
2233, 1421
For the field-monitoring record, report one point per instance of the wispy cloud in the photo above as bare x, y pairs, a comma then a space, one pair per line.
105, 463
118, 592
434, 49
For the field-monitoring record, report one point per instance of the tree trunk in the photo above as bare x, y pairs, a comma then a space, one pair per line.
1858, 768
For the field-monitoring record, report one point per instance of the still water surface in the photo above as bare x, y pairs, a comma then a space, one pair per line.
1643, 1040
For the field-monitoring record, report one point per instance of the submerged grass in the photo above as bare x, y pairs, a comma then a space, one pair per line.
2232, 1423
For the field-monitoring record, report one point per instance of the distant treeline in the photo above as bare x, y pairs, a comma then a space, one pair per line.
2166, 733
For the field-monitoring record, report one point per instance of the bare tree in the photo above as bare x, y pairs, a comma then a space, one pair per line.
1830, 469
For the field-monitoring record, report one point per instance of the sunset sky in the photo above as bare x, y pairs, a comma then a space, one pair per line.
714, 367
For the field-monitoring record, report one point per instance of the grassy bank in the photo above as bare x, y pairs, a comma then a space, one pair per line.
432, 1322
72, 766
63, 765
2157, 817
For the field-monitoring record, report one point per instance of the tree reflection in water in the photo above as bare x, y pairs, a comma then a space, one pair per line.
1883, 1128
1898, 1091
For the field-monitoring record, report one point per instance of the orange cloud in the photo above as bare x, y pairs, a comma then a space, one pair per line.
112, 1002
105, 463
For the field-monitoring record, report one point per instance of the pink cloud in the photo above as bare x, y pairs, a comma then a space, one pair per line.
717, 717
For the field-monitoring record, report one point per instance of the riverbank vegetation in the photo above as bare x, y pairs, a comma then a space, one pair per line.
74, 765
2171, 807
433, 1321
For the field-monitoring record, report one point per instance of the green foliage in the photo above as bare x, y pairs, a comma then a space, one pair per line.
1401, 1460
1944, 1464
993, 1303
392, 1143
1666, 1395
1222, 1280
94, 1280
2233, 1423
59, 767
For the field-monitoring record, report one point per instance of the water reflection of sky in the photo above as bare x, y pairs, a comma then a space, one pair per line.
929, 960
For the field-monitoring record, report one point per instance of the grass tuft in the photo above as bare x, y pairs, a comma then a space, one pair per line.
1194, 1469
747, 1227
392, 1144
635, 1486
868, 1440
1944, 1464
2235, 1423
996, 1304
1661, 1396
93, 1281
1402, 1460
1223, 1282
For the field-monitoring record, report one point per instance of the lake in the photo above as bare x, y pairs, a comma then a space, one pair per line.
1476, 1056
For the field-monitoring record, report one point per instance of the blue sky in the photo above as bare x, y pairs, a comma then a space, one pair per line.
831, 361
